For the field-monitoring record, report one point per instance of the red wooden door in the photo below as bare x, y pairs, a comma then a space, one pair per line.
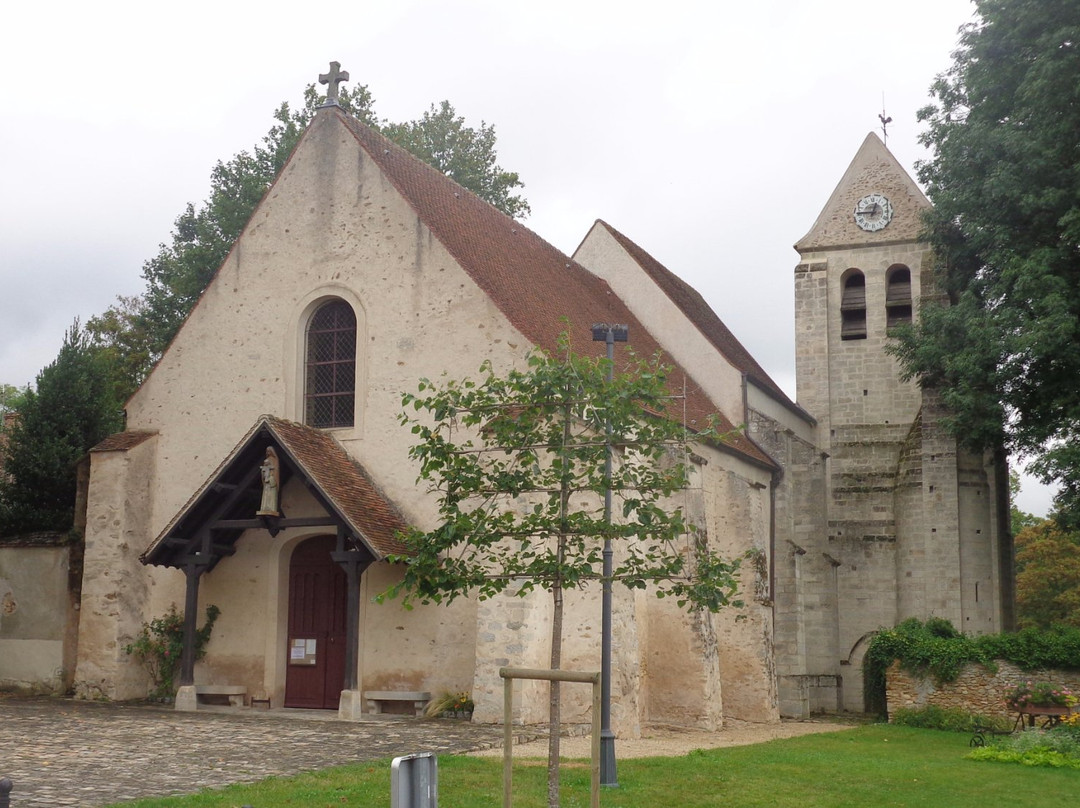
315, 666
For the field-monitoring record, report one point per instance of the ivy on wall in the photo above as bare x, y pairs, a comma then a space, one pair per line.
936, 649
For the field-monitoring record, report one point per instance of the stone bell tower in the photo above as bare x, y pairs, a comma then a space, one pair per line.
913, 526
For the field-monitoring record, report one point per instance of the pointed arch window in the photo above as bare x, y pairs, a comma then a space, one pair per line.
330, 366
897, 296
853, 305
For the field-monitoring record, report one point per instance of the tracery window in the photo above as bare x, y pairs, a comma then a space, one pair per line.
330, 366
897, 296
853, 306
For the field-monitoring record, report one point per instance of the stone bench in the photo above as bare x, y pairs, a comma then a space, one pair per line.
376, 698
235, 693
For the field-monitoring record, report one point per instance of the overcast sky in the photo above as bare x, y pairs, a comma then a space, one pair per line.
710, 132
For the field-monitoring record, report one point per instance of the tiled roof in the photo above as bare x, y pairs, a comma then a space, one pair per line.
344, 482
533, 284
122, 441
344, 486
693, 305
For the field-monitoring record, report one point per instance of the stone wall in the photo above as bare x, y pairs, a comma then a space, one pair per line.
36, 615
977, 689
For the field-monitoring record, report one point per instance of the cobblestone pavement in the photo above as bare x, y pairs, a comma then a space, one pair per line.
76, 753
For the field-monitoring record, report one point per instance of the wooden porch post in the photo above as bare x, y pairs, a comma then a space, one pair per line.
354, 567
193, 571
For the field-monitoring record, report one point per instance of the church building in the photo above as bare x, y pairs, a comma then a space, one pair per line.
263, 469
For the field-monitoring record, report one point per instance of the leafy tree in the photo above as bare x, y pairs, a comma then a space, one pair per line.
1048, 576
466, 155
137, 330
1005, 182
518, 463
70, 409
1018, 519
10, 397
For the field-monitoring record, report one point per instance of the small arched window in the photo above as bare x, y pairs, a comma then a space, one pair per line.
330, 366
897, 296
853, 306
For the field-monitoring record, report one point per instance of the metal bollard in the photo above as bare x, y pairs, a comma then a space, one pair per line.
5, 793
414, 781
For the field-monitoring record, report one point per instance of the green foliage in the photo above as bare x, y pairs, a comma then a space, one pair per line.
1057, 748
1039, 694
136, 330
1005, 182
1048, 575
518, 460
441, 139
936, 649
160, 645
1018, 519
949, 719
70, 410
10, 399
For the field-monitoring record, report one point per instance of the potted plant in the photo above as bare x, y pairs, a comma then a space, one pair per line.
1041, 698
451, 705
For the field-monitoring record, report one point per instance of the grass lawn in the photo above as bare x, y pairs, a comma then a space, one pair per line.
876, 765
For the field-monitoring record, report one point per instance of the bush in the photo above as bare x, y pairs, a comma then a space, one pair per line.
160, 645
1058, 748
950, 719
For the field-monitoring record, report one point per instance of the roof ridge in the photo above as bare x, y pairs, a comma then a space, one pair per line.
534, 284
693, 304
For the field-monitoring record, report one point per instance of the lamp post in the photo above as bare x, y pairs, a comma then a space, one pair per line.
609, 333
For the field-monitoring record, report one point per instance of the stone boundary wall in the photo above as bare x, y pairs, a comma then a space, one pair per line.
976, 690
37, 617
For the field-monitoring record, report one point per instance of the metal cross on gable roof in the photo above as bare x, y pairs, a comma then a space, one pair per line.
333, 79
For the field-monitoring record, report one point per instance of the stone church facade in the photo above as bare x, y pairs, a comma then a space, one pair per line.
363, 270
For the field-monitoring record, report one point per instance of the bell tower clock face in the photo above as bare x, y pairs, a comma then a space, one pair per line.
873, 212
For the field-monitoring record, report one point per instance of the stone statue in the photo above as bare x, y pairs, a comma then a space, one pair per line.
271, 481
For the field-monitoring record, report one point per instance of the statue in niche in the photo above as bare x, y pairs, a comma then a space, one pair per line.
270, 470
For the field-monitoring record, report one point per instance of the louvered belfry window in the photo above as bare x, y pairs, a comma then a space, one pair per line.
330, 386
853, 307
898, 296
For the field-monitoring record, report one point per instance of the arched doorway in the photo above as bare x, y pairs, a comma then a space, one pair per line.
318, 591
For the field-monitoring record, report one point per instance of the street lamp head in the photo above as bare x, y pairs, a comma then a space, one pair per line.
619, 333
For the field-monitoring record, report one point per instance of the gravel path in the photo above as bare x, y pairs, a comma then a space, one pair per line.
665, 741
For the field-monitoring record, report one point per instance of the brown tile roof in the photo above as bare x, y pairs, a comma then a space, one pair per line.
533, 284
693, 305
122, 441
344, 486
344, 482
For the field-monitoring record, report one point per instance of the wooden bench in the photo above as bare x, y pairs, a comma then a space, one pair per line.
234, 693
376, 698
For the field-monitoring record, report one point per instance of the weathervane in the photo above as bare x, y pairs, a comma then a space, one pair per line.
333, 79
884, 120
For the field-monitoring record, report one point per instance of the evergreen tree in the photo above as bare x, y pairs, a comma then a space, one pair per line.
69, 410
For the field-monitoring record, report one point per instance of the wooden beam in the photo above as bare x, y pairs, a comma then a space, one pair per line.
258, 524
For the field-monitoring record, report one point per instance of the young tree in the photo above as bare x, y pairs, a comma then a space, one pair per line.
1005, 227
70, 409
137, 330
518, 463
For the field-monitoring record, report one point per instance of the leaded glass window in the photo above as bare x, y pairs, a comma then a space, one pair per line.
330, 366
